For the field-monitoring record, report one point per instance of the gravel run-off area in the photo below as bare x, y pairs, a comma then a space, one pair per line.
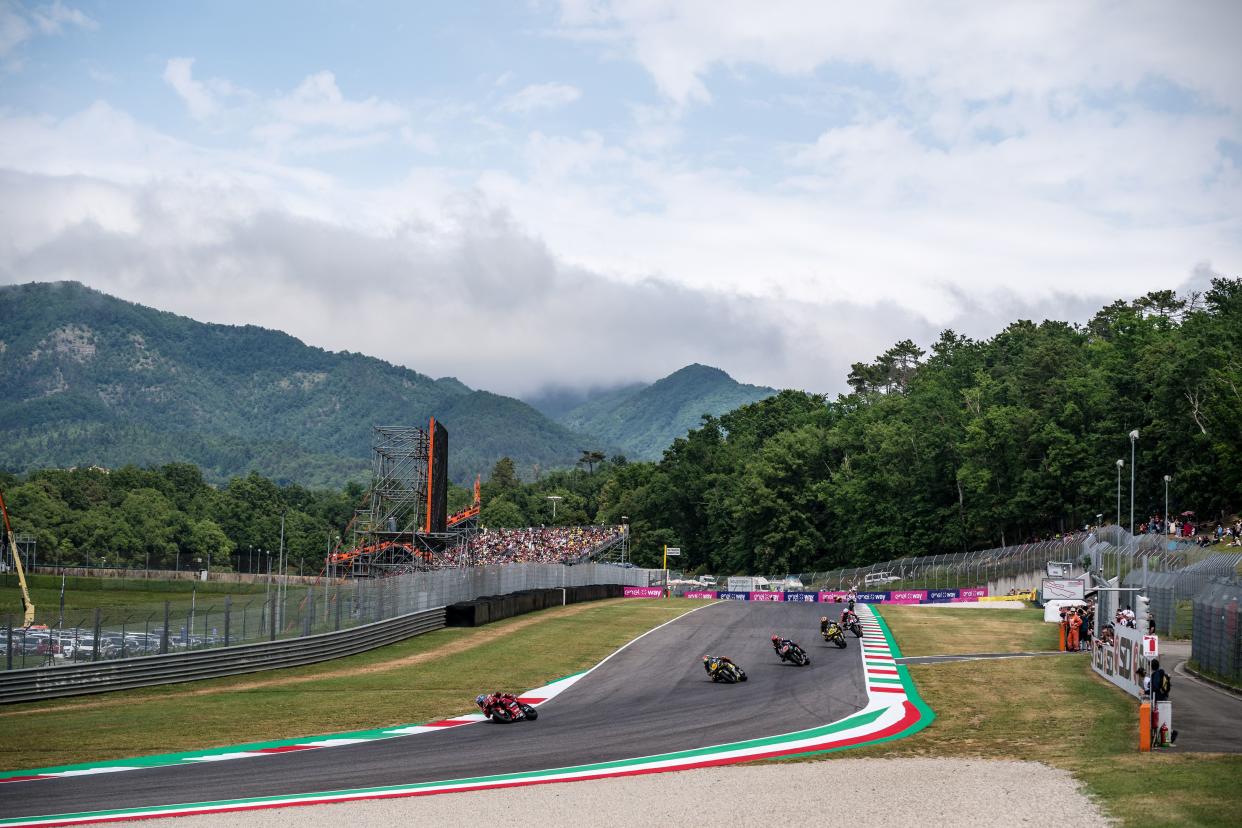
872, 792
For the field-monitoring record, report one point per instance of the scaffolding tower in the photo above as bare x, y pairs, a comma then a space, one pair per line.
403, 528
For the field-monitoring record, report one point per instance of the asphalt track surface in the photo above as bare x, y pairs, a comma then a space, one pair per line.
652, 697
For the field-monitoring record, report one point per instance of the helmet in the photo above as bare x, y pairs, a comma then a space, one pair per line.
775, 638
823, 618
479, 699
707, 658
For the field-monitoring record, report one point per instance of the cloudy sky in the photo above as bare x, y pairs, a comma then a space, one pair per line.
583, 193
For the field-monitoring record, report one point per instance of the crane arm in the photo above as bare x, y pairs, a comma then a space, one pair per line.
17, 563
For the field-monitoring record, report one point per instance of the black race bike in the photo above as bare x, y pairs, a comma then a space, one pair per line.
723, 670
794, 655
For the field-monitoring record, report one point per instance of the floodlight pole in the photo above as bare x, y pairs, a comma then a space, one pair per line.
1134, 435
1117, 555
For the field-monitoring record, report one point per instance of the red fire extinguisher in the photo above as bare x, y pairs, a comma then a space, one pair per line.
1164, 734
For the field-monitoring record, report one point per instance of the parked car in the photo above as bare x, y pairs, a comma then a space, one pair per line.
875, 578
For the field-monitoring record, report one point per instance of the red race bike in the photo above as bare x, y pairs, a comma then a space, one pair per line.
505, 708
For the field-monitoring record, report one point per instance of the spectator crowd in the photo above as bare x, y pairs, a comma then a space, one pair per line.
1186, 529
537, 544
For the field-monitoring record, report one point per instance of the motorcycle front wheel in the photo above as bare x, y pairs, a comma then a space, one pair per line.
530, 712
839, 640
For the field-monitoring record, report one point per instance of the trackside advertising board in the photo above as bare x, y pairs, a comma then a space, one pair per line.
1119, 660
642, 592
905, 596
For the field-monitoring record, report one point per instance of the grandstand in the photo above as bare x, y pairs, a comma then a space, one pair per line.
403, 525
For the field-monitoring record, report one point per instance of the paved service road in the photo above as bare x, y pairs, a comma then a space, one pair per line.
652, 697
1208, 719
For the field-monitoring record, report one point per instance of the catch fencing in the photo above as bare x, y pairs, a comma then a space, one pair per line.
38, 683
1170, 594
209, 620
1110, 551
1216, 646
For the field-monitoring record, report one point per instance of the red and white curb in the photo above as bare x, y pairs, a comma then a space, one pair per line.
535, 697
893, 711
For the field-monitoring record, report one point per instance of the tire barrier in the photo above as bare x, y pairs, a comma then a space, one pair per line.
40, 683
490, 608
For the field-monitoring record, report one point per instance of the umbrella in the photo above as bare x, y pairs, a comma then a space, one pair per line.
1188, 514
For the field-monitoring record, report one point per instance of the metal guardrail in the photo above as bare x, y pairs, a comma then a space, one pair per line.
99, 677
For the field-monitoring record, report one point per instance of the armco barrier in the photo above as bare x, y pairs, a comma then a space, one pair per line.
100, 677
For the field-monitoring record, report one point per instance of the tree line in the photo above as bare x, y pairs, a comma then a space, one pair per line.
969, 445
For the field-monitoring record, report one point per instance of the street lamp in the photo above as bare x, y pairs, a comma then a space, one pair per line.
625, 538
1167, 478
1133, 440
555, 499
1120, 463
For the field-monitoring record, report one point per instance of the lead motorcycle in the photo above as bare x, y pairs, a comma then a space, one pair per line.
832, 633
721, 669
505, 708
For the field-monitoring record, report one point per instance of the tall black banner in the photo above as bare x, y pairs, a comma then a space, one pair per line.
439, 478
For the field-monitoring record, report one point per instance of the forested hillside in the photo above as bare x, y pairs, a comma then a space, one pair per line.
973, 443
644, 420
88, 379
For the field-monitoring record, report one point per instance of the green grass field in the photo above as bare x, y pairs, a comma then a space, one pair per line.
115, 596
427, 677
1048, 709
1057, 711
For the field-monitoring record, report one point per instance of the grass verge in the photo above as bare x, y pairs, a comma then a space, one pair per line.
924, 630
424, 678
1057, 711
119, 599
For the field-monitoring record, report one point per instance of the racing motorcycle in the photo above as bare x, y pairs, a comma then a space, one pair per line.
853, 626
834, 635
794, 654
505, 708
722, 669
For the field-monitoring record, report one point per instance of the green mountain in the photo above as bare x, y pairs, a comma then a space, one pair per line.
88, 379
645, 419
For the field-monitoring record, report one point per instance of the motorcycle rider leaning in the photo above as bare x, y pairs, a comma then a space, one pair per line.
781, 645
487, 703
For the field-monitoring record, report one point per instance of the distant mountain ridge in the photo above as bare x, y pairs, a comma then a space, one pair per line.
645, 419
86, 378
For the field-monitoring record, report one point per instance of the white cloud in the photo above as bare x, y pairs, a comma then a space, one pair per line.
318, 102
202, 103
541, 96
961, 49
886, 175
18, 24
52, 18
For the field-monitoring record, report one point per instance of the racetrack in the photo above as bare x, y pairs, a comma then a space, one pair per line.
651, 697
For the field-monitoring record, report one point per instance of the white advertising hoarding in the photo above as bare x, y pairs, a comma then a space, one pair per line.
1062, 589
